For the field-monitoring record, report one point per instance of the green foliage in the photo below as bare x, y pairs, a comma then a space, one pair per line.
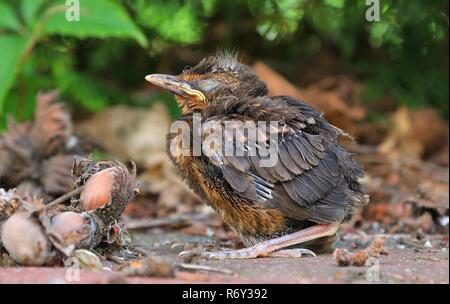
98, 18
415, 41
277, 17
81, 87
8, 18
25, 24
98, 155
102, 58
12, 47
29, 10
172, 21
335, 3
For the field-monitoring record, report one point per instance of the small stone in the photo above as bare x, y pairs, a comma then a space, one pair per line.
87, 259
443, 221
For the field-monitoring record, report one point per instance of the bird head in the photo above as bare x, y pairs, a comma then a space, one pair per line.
211, 81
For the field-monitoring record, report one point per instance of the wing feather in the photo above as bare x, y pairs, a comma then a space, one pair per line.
306, 175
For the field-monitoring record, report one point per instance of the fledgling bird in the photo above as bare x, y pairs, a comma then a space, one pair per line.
281, 210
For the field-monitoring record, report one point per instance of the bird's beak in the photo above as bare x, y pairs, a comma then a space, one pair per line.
174, 85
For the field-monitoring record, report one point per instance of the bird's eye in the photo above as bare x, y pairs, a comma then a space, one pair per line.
208, 85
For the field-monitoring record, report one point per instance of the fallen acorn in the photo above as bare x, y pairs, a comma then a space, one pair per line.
98, 189
108, 187
25, 240
73, 230
31, 230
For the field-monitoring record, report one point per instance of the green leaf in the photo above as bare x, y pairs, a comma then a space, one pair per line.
172, 21
29, 8
97, 18
80, 87
208, 7
12, 47
335, 3
84, 89
384, 32
268, 30
8, 18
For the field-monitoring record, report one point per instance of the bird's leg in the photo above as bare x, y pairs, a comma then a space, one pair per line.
272, 247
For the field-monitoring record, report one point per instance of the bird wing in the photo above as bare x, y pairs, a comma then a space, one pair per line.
306, 169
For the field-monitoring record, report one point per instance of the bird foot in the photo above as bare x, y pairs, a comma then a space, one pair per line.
291, 253
247, 253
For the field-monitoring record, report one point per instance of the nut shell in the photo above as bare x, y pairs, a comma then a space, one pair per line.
25, 240
72, 229
66, 222
98, 189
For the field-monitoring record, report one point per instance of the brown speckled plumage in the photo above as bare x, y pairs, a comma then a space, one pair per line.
314, 182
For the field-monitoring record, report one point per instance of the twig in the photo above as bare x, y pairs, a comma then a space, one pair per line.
65, 197
142, 251
204, 268
115, 259
172, 220
35, 35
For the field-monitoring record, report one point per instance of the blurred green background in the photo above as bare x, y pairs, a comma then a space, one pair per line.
103, 58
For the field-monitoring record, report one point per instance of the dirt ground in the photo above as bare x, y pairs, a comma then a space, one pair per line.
408, 261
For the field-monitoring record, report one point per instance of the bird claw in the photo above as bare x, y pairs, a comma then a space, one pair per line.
291, 253
190, 254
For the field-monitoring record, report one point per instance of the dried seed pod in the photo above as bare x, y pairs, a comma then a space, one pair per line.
24, 239
84, 167
9, 203
109, 186
98, 189
124, 188
56, 176
72, 230
29, 188
40, 152
52, 126
15, 153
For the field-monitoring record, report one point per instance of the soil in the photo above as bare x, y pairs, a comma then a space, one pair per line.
408, 261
